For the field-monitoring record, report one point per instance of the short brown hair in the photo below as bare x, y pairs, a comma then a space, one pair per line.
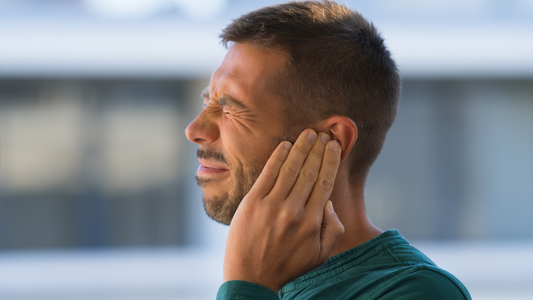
337, 65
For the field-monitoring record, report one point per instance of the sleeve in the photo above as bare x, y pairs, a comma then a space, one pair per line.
243, 290
427, 284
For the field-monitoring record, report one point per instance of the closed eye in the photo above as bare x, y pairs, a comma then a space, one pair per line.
226, 100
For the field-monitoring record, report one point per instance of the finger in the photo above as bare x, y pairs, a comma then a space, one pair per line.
309, 172
264, 183
292, 165
326, 178
331, 233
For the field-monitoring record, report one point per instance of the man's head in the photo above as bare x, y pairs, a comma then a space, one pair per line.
293, 66
337, 65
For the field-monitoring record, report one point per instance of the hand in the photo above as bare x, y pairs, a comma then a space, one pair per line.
285, 226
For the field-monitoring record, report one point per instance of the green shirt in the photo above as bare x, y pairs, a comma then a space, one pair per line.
385, 268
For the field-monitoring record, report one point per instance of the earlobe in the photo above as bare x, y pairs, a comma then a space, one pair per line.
342, 129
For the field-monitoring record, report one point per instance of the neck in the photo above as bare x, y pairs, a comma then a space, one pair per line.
349, 204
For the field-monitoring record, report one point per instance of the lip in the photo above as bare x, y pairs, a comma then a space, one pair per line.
209, 167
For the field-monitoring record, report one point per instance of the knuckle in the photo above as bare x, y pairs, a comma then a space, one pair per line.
318, 153
278, 158
326, 184
270, 174
291, 170
288, 216
245, 208
269, 207
301, 149
333, 161
310, 175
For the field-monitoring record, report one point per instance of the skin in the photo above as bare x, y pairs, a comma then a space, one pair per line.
285, 224
244, 134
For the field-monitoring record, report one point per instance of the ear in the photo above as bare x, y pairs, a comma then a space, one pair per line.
340, 128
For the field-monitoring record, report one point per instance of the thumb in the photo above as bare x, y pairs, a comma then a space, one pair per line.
331, 233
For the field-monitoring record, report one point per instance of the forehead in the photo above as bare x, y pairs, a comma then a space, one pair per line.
247, 73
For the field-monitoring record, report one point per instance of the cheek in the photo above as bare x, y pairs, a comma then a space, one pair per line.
245, 147
238, 147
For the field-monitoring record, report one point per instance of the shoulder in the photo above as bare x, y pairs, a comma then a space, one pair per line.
426, 282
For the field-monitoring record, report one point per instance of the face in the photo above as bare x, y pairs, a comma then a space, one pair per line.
239, 127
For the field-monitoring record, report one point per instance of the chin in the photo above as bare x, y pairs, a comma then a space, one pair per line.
220, 208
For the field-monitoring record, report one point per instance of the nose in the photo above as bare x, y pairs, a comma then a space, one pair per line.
202, 130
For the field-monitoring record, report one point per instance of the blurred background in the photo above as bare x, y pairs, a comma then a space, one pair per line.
97, 191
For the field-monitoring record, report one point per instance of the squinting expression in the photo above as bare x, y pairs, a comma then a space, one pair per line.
239, 127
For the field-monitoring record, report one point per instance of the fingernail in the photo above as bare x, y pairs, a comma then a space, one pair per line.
334, 146
324, 138
287, 145
311, 136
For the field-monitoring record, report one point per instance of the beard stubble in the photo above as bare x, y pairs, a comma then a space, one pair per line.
221, 208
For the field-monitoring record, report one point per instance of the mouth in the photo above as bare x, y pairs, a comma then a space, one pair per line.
211, 168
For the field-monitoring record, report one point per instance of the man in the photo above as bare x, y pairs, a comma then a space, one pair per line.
293, 119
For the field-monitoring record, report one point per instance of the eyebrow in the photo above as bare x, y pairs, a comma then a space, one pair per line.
225, 100
228, 100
